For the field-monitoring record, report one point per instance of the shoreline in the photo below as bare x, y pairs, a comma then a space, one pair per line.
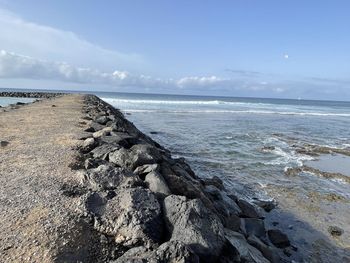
118, 164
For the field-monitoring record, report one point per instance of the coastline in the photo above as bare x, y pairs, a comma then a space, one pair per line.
128, 197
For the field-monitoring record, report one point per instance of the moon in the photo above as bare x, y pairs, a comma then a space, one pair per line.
286, 56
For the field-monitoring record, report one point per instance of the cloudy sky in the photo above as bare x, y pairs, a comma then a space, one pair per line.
272, 48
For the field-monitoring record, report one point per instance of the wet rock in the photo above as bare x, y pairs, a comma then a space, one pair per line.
106, 177
133, 217
157, 184
241, 248
267, 205
193, 224
105, 131
278, 238
254, 226
215, 181
153, 132
335, 231
248, 210
268, 252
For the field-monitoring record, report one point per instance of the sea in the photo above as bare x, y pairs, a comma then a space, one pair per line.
248, 142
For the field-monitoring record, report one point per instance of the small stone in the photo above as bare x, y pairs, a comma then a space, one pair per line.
4, 143
335, 231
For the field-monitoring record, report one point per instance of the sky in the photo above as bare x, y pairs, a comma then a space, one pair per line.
253, 48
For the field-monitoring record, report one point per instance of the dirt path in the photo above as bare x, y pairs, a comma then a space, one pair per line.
38, 222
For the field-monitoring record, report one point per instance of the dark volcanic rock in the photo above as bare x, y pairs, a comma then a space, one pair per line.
107, 177
4, 143
278, 238
254, 226
102, 120
157, 184
132, 217
335, 231
190, 222
248, 210
240, 249
268, 252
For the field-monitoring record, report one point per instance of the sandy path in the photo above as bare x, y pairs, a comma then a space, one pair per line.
36, 219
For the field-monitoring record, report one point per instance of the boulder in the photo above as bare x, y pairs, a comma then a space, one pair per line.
267, 205
157, 184
102, 152
268, 252
240, 248
248, 210
106, 177
102, 120
132, 217
192, 223
146, 168
88, 144
215, 181
105, 131
278, 238
254, 226
233, 222
137, 155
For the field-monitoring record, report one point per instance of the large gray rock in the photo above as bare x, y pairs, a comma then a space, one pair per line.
105, 131
137, 155
168, 252
146, 168
101, 152
241, 248
133, 217
192, 223
254, 226
248, 210
268, 252
157, 184
106, 177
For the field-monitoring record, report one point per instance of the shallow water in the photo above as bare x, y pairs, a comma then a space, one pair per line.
5, 101
335, 163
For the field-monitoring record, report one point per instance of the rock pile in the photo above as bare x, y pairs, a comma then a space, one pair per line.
39, 95
150, 207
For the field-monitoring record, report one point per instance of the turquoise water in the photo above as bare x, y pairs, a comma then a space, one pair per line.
229, 137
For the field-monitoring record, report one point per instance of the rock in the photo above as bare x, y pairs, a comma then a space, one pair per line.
146, 168
192, 223
102, 120
153, 132
4, 143
215, 181
233, 222
88, 144
157, 184
105, 131
222, 202
268, 252
103, 151
267, 205
240, 247
248, 210
133, 217
96, 126
335, 231
278, 238
254, 226
95, 203
168, 252
89, 129
137, 155
106, 177
175, 252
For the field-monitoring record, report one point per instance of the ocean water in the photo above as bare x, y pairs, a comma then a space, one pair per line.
247, 142
5, 101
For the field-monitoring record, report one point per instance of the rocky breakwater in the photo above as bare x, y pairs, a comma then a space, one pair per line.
39, 95
150, 207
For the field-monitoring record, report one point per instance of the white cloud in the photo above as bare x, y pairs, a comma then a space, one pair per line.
43, 42
15, 66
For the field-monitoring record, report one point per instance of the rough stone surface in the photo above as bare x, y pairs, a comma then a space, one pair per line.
190, 222
157, 184
278, 238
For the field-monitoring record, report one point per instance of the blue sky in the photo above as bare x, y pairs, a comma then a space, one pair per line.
286, 49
